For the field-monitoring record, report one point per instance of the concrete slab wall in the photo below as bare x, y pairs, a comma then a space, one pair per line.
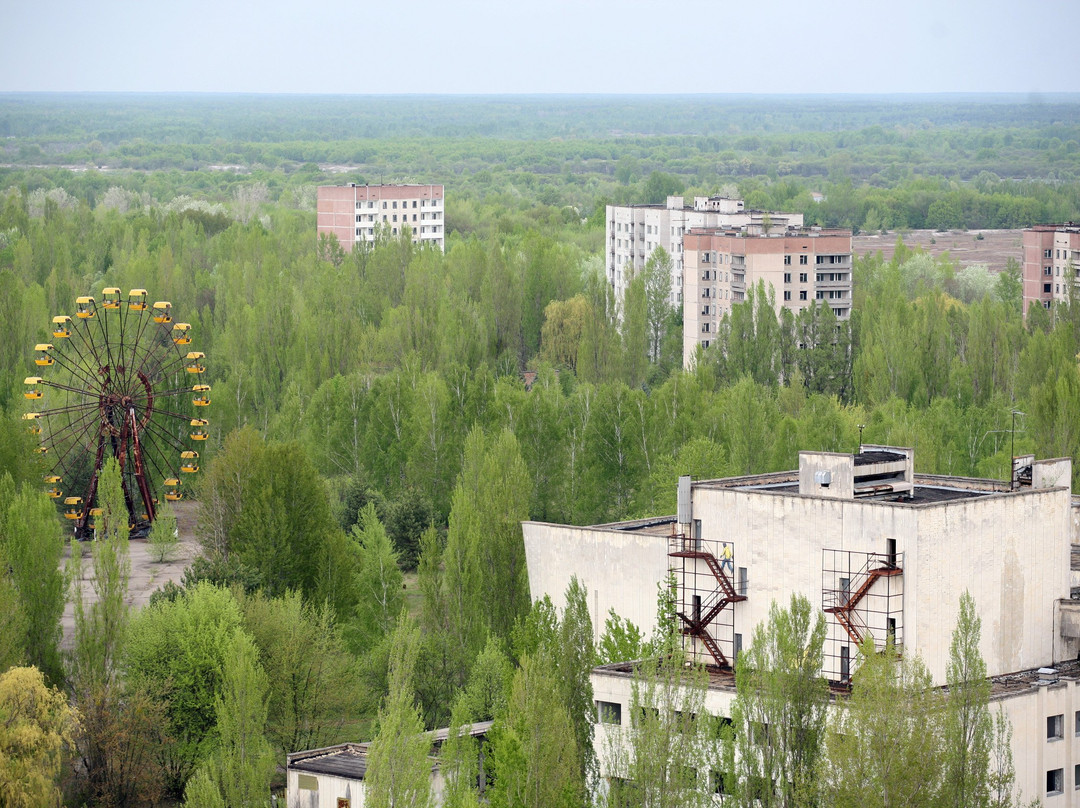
619, 569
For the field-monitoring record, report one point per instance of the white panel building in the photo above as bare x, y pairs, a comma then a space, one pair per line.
633, 232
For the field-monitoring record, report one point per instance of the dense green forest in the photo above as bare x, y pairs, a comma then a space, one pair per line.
371, 419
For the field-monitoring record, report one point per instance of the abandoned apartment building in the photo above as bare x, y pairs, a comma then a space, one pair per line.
883, 551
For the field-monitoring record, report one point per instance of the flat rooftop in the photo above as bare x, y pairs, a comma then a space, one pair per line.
1001, 686
928, 489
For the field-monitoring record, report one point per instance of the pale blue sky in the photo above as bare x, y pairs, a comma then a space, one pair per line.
483, 46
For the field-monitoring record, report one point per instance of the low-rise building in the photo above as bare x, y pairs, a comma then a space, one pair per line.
357, 214
1051, 263
882, 552
333, 776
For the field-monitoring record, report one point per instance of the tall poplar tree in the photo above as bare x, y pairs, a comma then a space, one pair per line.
399, 769
968, 724
885, 744
31, 547
778, 716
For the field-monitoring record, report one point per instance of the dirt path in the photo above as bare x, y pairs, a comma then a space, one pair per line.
147, 575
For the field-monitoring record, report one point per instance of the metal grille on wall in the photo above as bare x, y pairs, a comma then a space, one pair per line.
707, 582
863, 595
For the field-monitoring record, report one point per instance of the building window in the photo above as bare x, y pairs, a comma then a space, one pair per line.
736, 649
1077, 719
1046, 304
1046, 288
705, 327
1048, 253
1048, 270
802, 295
358, 231
395, 231
414, 203
743, 580
1076, 776
395, 205
307, 782
787, 260
787, 277
845, 663
384, 205
1055, 781
1055, 727
820, 295
787, 294
802, 277
802, 259
608, 712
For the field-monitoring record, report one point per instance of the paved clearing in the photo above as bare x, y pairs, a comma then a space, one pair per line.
993, 249
147, 576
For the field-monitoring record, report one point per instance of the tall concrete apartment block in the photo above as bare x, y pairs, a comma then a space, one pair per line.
355, 214
802, 266
880, 551
634, 231
1051, 262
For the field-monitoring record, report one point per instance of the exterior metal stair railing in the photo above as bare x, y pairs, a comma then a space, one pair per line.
697, 624
843, 602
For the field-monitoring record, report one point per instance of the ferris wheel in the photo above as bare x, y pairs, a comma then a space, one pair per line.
119, 380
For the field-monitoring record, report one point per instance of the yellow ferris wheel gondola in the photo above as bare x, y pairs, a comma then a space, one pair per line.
137, 300
85, 308
194, 362
198, 428
163, 312
33, 384
189, 462
52, 482
173, 492
110, 297
202, 395
44, 357
180, 334
61, 327
73, 508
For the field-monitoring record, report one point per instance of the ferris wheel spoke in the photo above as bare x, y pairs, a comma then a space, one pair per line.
66, 446
78, 390
74, 370
87, 343
152, 460
170, 414
69, 408
165, 435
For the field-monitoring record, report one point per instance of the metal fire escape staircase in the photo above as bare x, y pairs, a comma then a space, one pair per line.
697, 624
842, 602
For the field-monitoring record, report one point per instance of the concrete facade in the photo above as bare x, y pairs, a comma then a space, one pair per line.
620, 566
358, 214
1051, 263
801, 267
633, 232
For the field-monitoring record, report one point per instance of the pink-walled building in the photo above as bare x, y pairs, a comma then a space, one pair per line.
803, 266
357, 214
1051, 262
